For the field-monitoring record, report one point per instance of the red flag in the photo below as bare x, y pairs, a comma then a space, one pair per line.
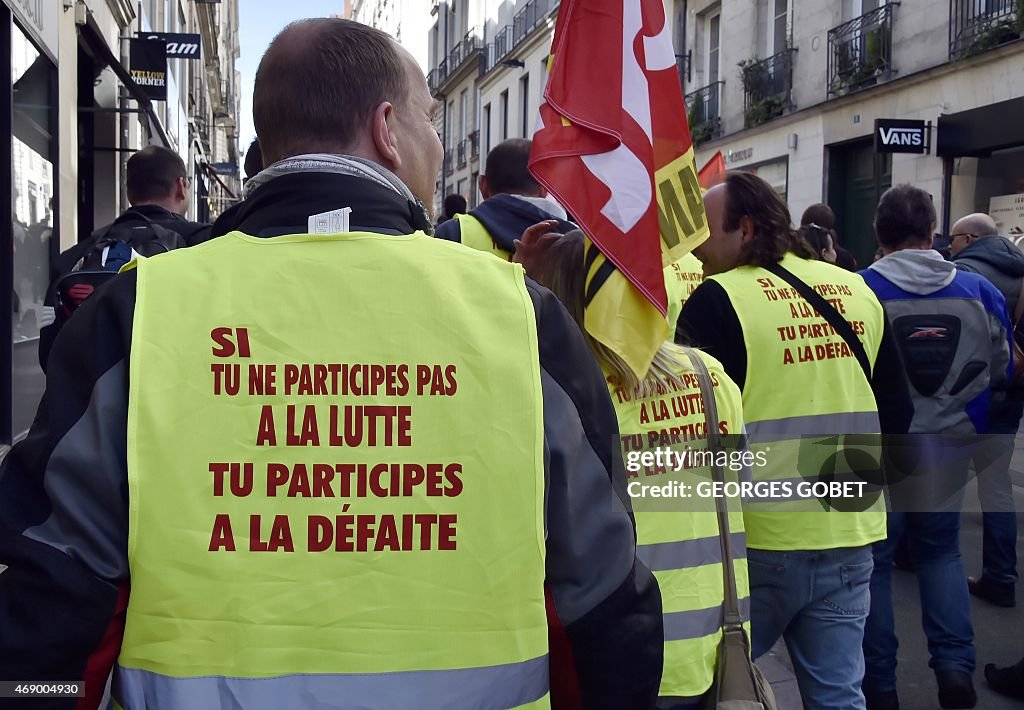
615, 150
712, 172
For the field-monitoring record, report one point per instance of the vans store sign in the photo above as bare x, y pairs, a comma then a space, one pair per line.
894, 135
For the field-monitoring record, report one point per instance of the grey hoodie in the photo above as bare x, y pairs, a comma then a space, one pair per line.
951, 327
918, 271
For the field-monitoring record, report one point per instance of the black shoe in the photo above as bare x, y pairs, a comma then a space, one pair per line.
882, 700
979, 587
1006, 681
956, 689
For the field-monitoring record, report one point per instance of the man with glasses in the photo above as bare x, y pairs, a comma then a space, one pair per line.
978, 247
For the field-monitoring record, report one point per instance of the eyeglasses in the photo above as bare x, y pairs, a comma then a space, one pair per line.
962, 234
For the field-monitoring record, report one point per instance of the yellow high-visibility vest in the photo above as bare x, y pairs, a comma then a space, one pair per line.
335, 478
682, 277
808, 406
680, 543
475, 235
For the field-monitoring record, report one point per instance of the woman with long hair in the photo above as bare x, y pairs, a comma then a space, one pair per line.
662, 413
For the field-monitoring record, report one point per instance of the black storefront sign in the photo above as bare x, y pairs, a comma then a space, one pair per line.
895, 135
179, 46
149, 67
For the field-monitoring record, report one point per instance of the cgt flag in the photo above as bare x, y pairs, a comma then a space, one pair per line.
713, 171
615, 150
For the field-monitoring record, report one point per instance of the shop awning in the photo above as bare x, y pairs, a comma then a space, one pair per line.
981, 131
93, 38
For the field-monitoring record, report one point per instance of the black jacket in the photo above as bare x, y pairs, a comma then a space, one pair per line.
192, 232
64, 506
998, 260
505, 217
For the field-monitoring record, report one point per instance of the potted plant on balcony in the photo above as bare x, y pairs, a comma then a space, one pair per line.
990, 32
763, 104
701, 129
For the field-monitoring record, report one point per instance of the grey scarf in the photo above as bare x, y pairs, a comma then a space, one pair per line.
338, 164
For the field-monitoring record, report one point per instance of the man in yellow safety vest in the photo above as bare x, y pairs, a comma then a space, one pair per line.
325, 460
815, 371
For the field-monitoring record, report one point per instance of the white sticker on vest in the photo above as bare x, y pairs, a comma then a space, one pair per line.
334, 222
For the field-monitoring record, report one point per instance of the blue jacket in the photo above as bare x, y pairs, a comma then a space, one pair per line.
953, 332
506, 217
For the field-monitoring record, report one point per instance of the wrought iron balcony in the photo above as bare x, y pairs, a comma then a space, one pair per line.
503, 42
432, 80
460, 153
524, 21
474, 144
767, 87
464, 50
860, 51
704, 112
501, 46
977, 26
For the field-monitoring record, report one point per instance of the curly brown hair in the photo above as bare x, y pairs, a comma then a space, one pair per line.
749, 196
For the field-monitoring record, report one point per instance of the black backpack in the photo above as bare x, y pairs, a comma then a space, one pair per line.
113, 248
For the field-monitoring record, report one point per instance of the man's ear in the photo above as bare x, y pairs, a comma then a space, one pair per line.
181, 190
384, 141
485, 190
746, 229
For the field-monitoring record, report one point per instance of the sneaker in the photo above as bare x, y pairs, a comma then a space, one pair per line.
980, 587
956, 689
882, 700
1007, 681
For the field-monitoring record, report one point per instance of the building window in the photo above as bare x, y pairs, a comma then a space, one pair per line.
778, 35
487, 130
32, 147
474, 191
450, 128
503, 108
463, 106
712, 53
524, 94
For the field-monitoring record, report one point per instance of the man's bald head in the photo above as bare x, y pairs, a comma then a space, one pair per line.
319, 83
969, 229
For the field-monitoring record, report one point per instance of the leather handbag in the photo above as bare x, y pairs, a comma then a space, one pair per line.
739, 684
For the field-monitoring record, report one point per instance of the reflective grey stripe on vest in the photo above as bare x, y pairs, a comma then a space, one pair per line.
813, 425
686, 554
696, 624
505, 686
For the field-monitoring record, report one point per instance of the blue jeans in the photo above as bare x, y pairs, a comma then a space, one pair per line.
995, 492
934, 545
817, 601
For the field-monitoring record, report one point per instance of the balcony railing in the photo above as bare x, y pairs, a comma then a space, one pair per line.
462, 52
860, 51
501, 46
474, 144
977, 26
767, 87
460, 153
524, 21
704, 112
